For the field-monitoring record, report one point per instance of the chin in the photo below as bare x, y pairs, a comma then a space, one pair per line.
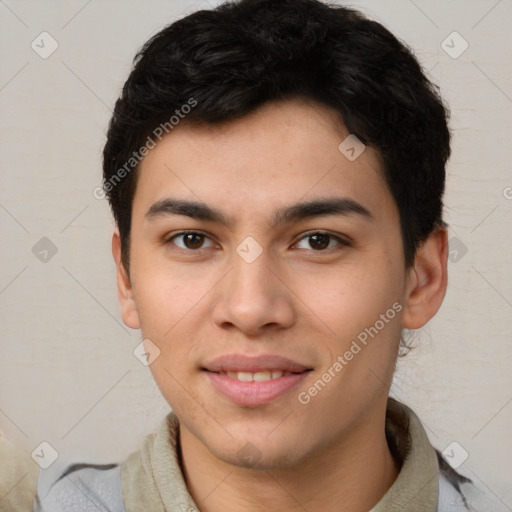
258, 453
249, 458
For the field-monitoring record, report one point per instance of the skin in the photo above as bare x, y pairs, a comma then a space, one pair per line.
199, 300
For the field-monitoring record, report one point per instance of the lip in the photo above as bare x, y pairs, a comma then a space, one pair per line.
254, 394
242, 363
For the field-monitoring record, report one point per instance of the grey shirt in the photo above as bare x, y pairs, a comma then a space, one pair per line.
152, 480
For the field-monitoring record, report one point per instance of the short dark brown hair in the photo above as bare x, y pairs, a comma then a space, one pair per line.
233, 59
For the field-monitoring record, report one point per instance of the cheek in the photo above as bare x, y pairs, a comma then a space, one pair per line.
171, 306
362, 307
166, 296
353, 297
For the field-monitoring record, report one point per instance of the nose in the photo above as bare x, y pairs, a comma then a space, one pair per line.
254, 298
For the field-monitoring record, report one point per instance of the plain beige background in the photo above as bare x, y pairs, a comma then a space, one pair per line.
68, 375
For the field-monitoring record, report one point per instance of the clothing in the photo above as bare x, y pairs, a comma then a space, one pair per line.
151, 479
18, 477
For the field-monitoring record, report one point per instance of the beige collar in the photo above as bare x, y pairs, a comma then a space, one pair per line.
417, 485
152, 479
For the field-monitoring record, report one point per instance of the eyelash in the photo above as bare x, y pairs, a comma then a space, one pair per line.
341, 241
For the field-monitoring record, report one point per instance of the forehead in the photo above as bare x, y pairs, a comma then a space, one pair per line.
282, 153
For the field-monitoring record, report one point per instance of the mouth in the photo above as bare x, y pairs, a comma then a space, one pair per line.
254, 381
260, 376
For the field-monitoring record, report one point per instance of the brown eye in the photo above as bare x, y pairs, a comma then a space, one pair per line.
193, 240
189, 240
321, 241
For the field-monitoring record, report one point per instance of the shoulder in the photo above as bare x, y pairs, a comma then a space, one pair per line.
65, 487
469, 499
18, 477
81, 488
450, 500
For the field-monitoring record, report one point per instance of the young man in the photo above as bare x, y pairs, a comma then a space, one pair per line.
276, 171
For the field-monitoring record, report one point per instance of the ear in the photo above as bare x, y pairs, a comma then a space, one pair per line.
129, 311
427, 281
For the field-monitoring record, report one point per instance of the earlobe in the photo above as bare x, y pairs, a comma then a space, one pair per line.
125, 294
427, 281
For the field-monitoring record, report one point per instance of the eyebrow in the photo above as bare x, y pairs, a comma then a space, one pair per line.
296, 212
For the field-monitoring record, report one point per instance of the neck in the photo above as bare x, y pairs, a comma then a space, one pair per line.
352, 474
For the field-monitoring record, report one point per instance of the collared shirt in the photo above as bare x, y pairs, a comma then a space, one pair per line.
151, 479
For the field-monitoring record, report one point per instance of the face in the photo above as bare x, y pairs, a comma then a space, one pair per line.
267, 268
